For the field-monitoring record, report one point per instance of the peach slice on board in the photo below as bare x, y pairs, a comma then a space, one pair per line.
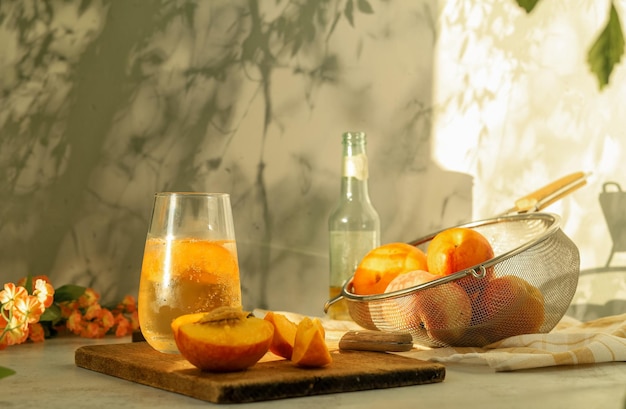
284, 334
310, 349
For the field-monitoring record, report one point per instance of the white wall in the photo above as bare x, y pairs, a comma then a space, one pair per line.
467, 105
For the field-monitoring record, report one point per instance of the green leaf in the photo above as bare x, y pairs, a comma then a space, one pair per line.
52, 314
29, 284
607, 50
68, 292
4, 372
527, 5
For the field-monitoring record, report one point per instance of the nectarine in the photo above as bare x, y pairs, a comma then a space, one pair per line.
457, 249
511, 306
444, 311
225, 339
382, 264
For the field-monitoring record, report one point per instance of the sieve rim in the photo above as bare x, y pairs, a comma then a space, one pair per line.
478, 270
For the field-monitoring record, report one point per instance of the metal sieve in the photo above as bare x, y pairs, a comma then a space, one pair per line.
531, 247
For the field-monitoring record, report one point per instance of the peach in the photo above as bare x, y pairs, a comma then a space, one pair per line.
284, 334
444, 311
225, 339
382, 264
185, 319
310, 349
200, 261
511, 306
457, 249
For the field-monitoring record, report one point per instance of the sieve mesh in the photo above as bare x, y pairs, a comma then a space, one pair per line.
526, 287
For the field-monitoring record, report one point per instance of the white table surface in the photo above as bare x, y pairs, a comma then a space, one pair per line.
48, 378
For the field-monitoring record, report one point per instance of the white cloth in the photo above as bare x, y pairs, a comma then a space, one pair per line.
571, 342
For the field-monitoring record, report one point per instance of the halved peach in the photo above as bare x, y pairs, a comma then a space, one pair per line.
226, 339
284, 334
310, 349
185, 319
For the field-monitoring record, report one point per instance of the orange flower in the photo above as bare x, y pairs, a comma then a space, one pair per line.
23, 280
15, 332
67, 308
28, 308
106, 319
11, 293
94, 311
92, 330
75, 322
128, 304
134, 319
36, 332
44, 292
18, 310
3, 330
88, 298
123, 326
22, 306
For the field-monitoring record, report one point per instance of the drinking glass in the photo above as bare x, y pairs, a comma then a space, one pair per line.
189, 263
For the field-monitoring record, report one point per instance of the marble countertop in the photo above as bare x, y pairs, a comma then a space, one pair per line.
46, 376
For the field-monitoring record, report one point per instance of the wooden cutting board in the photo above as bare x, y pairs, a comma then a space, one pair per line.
269, 379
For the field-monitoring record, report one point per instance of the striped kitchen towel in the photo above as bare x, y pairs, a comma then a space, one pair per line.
571, 342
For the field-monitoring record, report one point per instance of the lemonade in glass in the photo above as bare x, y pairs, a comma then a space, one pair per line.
189, 263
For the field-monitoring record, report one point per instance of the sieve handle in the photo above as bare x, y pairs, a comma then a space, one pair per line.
330, 302
550, 193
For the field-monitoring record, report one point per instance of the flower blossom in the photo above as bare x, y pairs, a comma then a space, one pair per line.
128, 304
44, 292
91, 330
23, 305
90, 297
94, 322
36, 332
15, 331
10, 294
28, 308
75, 322
18, 309
124, 326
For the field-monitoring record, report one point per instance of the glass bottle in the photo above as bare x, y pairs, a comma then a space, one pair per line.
354, 226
